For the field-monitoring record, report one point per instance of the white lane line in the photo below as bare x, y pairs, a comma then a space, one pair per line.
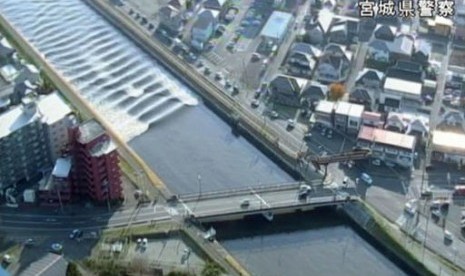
260, 198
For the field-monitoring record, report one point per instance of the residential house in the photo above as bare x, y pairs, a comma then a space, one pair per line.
180, 5
385, 32
363, 96
372, 119
408, 123
286, 90
171, 20
317, 28
29, 73
440, 26
453, 121
204, 27
378, 50
339, 33
314, 92
324, 113
422, 51
388, 146
6, 51
459, 33
348, 116
370, 78
401, 47
406, 70
302, 59
7, 92
214, 4
341, 115
334, 64
399, 94
448, 147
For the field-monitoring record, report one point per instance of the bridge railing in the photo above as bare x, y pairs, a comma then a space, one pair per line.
244, 190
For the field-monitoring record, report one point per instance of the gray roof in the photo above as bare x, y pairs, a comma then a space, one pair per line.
360, 94
49, 265
379, 45
306, 48
205, 18
402, 44
90, 130
424, 47
277, 25
370, 74
315, 88
214, 4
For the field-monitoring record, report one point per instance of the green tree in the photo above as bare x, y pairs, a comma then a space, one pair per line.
45, 85
212, 269
179, 273
72, 270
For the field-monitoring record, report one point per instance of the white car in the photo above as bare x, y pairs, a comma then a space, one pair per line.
274, 115
411, 207
367, 178
376, 162
448, 235
255, 103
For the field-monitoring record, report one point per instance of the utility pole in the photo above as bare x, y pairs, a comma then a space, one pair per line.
59, 199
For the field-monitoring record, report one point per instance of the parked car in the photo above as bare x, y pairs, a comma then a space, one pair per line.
367, 178
448, 236
376, 162
345, 181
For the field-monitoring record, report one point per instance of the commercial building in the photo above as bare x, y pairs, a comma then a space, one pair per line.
448, 146
96, 172
388, 146
31, 137
277, 26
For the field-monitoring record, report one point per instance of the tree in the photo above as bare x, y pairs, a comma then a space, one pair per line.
336, 91
72, 270
45, 84
212, 269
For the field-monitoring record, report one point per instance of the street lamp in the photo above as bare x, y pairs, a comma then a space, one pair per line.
199, 181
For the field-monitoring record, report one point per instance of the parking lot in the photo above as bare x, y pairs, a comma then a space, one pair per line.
165, 253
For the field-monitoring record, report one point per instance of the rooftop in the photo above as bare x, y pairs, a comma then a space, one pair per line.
89, 131
53, 108
103, 148
15, 119
385, 137
372, 116
277, 25
451, 140
62, 167
325, 107
349, 109
403, 86
49, 265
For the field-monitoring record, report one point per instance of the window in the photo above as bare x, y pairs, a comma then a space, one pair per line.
353, 123
391, 150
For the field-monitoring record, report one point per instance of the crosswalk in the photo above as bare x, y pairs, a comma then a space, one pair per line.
214, 58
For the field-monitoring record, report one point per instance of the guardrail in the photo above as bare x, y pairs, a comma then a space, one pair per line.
240, 191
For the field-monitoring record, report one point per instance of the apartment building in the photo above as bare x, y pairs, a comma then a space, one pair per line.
388, 146
32, 135
96, 172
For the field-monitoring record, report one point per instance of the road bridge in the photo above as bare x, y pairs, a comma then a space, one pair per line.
275, 199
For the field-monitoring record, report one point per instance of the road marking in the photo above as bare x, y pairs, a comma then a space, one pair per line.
261, 199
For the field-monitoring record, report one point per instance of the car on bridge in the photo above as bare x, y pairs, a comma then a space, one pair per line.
245, 203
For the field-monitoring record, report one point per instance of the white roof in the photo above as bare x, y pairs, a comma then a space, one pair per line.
8, 72
403, 86
349, 109
325, 107
62, 167
277, 25
53, 108
439, 20
14, 119
449, 139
